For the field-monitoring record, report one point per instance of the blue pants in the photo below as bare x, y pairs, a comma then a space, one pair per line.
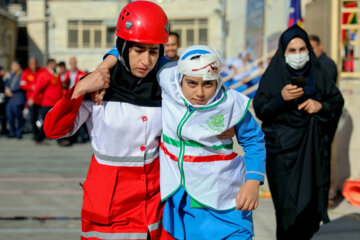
14, 113
184, 222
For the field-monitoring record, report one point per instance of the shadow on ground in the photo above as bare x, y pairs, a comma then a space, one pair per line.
344, 228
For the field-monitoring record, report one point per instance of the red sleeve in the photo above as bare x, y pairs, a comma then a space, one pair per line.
40, 85
67, 78
24, 84
60, 119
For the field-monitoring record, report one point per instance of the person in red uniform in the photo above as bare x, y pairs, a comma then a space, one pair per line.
64, 75
74, 77
49, 86
75, 74
28, 81
121, 193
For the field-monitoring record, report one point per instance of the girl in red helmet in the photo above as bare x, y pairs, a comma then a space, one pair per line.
121, 192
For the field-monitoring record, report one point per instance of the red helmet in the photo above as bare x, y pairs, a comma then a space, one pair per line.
143, 22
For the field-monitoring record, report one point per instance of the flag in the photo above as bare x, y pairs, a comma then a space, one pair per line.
295, 13
349, 18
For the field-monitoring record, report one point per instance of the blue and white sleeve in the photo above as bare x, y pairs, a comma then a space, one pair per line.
251, 138
112, 51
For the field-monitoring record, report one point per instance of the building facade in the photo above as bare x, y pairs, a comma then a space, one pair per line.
8, 38
85, 28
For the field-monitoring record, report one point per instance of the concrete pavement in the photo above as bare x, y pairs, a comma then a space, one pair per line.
40, 195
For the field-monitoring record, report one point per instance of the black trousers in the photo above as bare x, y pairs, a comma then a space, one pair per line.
3, 120
34, 116
306, 225
41, 135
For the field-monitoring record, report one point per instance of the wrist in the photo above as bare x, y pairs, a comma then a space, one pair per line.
78, 91
253, 182
320, 106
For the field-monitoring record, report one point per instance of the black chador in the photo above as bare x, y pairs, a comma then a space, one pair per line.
298, 143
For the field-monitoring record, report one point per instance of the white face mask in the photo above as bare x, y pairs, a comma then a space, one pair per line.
297, 61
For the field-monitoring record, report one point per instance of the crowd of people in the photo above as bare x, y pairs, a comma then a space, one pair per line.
34, 91
162, 127
26, 95
243, 76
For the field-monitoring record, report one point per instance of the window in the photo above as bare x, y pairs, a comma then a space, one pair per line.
97, 38
110, 37
191, 31
90, 34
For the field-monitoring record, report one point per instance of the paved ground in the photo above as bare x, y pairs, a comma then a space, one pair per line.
40, 196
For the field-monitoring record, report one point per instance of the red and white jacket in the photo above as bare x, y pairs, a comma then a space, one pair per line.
122, 185
74, 77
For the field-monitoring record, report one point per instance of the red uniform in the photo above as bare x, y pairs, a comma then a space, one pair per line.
74, 77
121, 192
50, 87
65, 80
28, 82
65, 77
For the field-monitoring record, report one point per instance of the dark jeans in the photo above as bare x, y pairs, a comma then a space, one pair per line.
14, 114
3, 119
34, 116
41, 135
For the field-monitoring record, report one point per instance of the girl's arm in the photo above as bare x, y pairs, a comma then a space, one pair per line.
251, 138
107, 64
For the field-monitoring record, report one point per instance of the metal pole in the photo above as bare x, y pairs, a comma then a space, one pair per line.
46, 13
335, 33
223, 32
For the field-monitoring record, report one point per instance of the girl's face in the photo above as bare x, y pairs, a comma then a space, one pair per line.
198, 91
296, 46
142, 58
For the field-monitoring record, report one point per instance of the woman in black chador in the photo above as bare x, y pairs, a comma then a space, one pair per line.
300, 107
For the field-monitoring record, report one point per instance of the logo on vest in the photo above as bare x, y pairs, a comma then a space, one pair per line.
215, 124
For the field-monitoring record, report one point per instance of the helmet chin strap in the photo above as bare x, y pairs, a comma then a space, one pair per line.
121, 59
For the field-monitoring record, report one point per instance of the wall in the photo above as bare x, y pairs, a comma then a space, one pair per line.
236, 17
276, 14
276, 20
61, 12
8, 38
175, 9
348, 142
36, 29
318, 21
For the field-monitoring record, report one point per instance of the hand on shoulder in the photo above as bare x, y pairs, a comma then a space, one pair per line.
95, 81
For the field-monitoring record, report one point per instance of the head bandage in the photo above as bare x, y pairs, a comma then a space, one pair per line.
200, 61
